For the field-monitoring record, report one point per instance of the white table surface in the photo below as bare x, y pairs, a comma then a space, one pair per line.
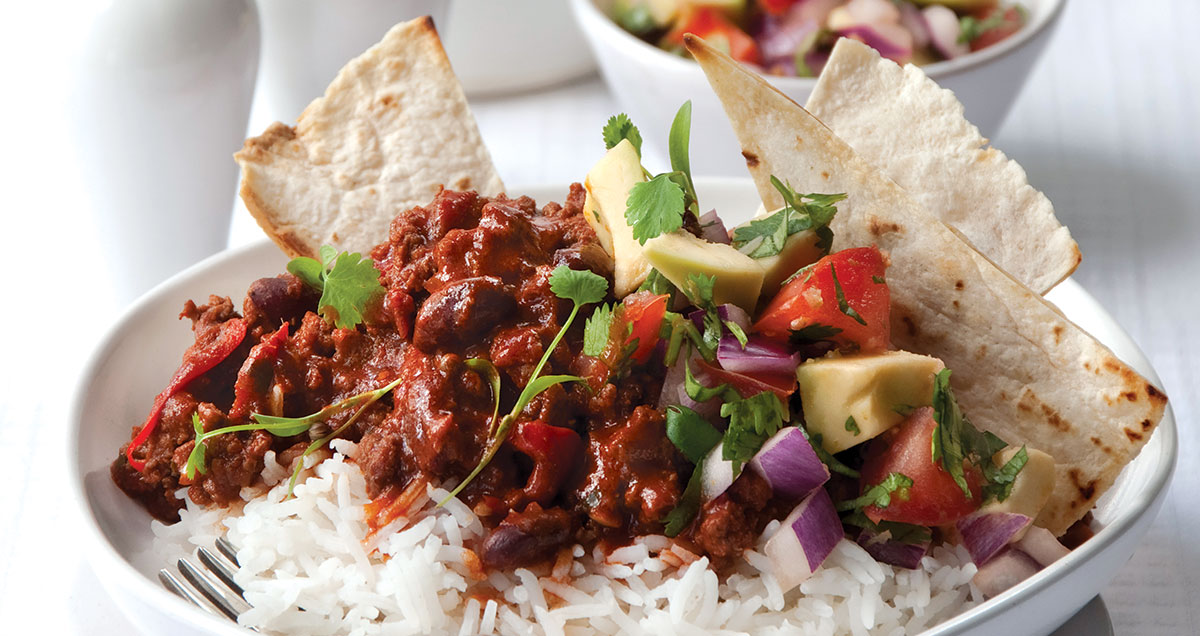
1108, 127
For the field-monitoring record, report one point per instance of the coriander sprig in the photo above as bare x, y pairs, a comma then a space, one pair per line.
581, 287
283, 427
766, 237
955, 439
348, 282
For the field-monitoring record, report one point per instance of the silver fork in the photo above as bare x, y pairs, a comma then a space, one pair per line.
212, 589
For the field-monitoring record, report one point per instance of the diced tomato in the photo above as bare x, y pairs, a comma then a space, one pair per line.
1011, 23
934, 498
745, 384
554, 451
644, 311
811, 298
712, 25
775, 7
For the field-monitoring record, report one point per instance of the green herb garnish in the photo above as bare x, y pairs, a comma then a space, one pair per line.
766, 237
619, 127
1000, 480
596, 331
654, 208
894, 530
954, 438
701, 393
581, 287
678, 141
690, 433
347, 282
815, 332
752, 421
852, 426
880, 495
844, 306
687, 508
825, 456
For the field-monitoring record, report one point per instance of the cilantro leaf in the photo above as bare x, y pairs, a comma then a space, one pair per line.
579, 285
687, 508
737, 332
852, 426
658, 284
634, 17
955, 439
690, 433
1000, 480
812, 333
620, 127
596, 331
878, 280
752, 421
654, 208
844, 306
880, 495
767, 236
347, 282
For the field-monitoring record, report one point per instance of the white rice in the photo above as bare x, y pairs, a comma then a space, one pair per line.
312, 552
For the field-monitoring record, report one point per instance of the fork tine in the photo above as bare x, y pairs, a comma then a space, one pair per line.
205, 587
226, 548
219, 570
171, 583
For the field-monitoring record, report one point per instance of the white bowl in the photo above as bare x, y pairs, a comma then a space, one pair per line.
137, 356
651, 83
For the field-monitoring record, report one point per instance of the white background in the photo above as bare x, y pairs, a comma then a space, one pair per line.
1108, 127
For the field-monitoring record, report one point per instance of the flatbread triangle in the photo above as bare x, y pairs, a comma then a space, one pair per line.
914, 132
1020, 369
390, 131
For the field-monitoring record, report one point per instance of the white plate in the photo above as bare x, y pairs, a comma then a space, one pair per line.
138, 355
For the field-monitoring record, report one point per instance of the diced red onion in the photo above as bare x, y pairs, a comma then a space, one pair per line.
806, 538
760, 355
890, 40
1005, 570
912, 19
886, 550
674, 389
986, 533
712, 228
780, 38
1041, 546
717, 474
944, 30
789, 464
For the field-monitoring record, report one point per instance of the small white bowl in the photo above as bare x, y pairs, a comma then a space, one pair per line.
651, 83
141, 351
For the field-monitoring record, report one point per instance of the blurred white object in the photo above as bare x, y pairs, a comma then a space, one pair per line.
507, 46
159, 103
651, 83
306, 42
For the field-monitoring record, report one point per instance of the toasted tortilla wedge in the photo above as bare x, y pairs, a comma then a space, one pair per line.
391, 130
1021, 370
914, 131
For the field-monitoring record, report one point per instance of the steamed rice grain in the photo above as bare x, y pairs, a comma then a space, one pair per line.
313, 552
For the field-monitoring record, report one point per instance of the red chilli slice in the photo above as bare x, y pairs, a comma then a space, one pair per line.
232, 333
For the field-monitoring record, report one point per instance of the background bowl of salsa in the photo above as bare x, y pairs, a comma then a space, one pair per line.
650, 82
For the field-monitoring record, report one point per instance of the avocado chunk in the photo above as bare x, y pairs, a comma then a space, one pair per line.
679, 254
608, 184
875, 390
1031, 488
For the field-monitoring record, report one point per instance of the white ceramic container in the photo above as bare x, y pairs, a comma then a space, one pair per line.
159, 98
651, 83
133, 362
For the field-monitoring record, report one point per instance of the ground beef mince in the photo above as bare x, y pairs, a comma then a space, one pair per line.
465, 277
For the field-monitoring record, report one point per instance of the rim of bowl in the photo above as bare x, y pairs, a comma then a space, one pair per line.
1147, 498
587, 12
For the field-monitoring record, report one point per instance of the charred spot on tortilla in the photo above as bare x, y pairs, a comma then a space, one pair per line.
879, 228
750, 157
1087, 490
1133, 435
